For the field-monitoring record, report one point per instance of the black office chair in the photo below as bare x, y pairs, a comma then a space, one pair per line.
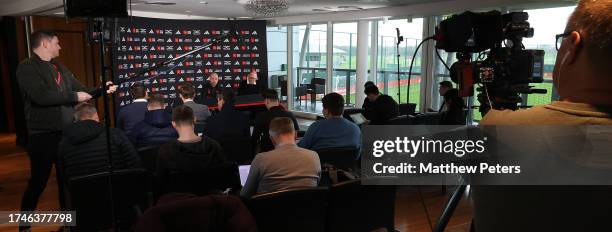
301, 91
344, 158
316, 87
290, 210
189, 213
90, 197
356, 207
282, 82
148, 157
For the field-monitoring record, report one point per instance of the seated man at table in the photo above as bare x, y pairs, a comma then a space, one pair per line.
249, 86
334, 131
210, 90
286, 167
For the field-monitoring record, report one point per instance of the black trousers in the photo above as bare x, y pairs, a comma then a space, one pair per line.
43, 152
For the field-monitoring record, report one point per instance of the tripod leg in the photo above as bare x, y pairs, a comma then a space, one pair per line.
449, 209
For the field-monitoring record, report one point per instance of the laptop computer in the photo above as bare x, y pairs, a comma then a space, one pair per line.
358, 118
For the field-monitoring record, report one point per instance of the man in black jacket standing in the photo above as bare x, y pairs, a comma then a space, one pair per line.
49, 91
261, 136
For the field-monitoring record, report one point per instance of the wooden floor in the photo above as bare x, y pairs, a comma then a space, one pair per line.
410, 215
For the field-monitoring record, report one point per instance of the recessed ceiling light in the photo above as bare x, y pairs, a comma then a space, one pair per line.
335, 9
59, 13
204, 2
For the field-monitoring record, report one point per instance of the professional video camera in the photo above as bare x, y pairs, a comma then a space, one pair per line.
503, 72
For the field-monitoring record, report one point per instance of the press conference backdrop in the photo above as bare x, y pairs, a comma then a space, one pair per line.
146, 41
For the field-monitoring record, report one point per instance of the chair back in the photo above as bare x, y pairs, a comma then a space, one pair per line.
301, 91
148, 157
290, 210
356, 207
317, 81
317, 85
345, 158
90, 197
190, 213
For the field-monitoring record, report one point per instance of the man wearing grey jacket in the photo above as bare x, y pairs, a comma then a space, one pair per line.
187, 93
286, 167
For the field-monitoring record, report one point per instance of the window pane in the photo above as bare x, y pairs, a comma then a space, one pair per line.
309, 61
543, 38
277, 59
345, 60
387, 59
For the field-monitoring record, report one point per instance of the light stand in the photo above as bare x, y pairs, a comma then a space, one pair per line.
98, 28
399, 86
449, 209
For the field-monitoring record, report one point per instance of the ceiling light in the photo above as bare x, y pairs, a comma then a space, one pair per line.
204, 2
160, 3
267, 8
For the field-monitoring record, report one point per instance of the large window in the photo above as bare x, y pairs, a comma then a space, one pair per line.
345, 60
387, 75
277, 59
309, 62
545, 29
